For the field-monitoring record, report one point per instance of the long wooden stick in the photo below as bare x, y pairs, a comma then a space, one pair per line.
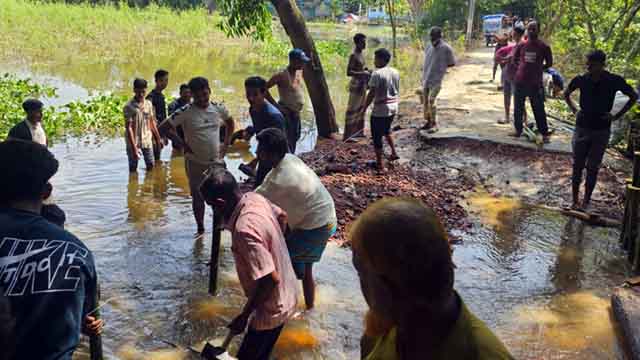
95, 341
215, 253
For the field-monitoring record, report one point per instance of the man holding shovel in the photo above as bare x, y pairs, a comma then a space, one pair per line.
262, 262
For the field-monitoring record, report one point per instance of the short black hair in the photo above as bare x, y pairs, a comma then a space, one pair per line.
273, 141
218, 184
26, 168
359, 36
198, 83
184, 87
139, 83
437, 30
256, 82
598, 56
160, 74
32, 105
383, 54
519, 29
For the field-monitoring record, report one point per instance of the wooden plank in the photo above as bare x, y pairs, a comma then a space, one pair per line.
589, 218
625, 302
95, 341
215, 253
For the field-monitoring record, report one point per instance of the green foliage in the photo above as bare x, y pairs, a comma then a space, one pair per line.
274, 52
245, 18
101, 114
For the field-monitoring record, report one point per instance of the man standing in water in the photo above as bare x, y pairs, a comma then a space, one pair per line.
354, 118
180, 102
437, 58
262, 262
296, 188
263, 116
291, 102
140, 127
31, 128
156, 97
201, 122
598, 89
46, 273
530, 59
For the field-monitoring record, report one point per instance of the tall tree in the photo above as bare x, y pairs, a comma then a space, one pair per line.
252, 17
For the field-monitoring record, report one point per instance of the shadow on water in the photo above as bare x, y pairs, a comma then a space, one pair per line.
539, 279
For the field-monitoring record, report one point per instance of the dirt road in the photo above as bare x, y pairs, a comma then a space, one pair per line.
469, 106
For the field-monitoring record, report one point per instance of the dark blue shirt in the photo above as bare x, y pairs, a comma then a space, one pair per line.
268, 117
159, 105
49, 277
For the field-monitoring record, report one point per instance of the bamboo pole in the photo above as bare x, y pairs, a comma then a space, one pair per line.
215, 253
95, 341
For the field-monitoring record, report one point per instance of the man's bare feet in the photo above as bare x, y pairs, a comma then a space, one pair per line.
199, 233
432, 130
576, 206
393, 157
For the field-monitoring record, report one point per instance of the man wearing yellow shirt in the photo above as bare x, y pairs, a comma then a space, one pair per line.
414, 312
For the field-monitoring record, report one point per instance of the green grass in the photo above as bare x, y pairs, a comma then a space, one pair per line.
102, 48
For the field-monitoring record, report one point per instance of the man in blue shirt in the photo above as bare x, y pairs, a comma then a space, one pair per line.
263, 116
46, 273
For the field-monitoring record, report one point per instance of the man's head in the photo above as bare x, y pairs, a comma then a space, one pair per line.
272, 145
533, 29
596, 62
518, 33
139, 89
220, 190
201, 91
26, 168
413, 272
162, 79
297, 59
360, 40
255, 89
435, 35
185, 93
33, 108
382, 57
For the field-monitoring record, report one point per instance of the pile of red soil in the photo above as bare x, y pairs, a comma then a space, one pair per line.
347, 172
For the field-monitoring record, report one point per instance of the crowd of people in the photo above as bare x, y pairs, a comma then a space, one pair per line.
280, 229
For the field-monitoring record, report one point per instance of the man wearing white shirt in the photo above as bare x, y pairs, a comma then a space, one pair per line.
437, 58
31, 128
296, 188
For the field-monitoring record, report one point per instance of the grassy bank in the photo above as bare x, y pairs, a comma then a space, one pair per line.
101, 114
103, 48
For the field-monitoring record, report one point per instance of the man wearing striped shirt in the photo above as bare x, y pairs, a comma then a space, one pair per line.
262, 262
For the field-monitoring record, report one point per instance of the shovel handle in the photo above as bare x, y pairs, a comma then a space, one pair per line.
227, 340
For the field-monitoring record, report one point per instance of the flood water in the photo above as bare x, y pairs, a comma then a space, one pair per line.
539, 279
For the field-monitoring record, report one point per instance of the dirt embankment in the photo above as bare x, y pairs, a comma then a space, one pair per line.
346, 170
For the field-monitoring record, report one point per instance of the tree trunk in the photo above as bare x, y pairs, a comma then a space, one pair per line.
589, 23
392, 19
548, 30
295, 27
472, 10
623, 31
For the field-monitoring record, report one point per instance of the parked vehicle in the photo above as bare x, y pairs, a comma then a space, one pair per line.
492, 25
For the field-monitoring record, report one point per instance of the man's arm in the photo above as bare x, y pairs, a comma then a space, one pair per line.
567, 96
230, 128
516, 55
154, 130
548, 58
168, 126
131, 138
264, 287
633, 97
275, 80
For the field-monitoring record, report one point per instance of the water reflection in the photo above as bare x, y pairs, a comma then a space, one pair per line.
539, 279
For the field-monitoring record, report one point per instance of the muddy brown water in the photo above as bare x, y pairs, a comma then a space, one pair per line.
540, 280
